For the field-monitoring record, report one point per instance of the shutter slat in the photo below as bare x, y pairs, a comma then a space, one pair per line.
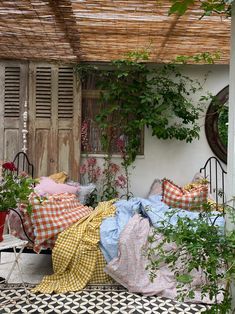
43, 92
12, 92
65, 93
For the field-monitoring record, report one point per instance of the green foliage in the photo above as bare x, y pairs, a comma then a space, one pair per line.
139, 95
205, 57
15, 190
200, 245
139, 55
180, 7
84, 70
223, 125
208, 7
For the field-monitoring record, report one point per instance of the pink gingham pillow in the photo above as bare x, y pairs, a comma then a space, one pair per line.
176, 197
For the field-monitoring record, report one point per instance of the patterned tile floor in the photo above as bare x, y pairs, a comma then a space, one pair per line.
97, 299
94, 299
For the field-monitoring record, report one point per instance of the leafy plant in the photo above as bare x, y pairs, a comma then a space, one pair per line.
207, 7
223, 125
139, 95
14, 189
121, 145
201, 245
109, 180
205, 57
110, 172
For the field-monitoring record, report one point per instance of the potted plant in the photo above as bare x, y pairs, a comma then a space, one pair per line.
14, 190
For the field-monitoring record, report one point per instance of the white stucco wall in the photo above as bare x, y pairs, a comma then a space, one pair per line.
177, 160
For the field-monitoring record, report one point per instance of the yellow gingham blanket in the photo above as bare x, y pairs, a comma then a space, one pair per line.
76, 257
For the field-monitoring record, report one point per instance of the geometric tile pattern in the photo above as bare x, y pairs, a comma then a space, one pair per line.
97, 299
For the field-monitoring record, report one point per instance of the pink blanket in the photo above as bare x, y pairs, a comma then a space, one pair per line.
129, 268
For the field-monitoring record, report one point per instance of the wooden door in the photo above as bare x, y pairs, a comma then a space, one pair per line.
54, 119
13, 95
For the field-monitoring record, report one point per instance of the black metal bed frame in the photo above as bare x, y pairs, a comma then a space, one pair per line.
214, 172
21, 161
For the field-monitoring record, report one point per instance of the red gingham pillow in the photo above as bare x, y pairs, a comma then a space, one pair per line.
177, 197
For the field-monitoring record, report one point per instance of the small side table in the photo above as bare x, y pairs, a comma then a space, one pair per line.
11, 242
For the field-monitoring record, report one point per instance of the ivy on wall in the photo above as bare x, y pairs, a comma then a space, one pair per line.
141, 95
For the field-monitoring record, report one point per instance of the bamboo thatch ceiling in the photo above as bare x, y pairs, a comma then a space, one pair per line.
103, 30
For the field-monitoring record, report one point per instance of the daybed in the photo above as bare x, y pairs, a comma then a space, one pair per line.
112, 236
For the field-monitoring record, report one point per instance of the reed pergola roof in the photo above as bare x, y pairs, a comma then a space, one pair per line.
103, 30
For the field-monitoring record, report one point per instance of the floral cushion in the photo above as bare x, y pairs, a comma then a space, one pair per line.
177, 197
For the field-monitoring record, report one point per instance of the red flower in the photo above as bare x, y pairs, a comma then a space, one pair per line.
9, 166
91, 161
98, 172
113, 168
120, 144
84, 134
121, 182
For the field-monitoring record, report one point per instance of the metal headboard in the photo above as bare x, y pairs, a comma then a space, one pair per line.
214, 172
21, 161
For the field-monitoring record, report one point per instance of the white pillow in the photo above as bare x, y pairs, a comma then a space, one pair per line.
156, 188
84, 191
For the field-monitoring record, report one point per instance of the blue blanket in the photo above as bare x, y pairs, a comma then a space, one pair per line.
153, 209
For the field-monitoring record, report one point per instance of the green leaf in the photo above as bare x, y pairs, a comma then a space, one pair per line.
180, 7
208, 7
184, 278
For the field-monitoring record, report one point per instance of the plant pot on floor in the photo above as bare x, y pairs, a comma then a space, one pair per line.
3, 215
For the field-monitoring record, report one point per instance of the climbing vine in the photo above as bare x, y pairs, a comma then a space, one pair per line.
139, 95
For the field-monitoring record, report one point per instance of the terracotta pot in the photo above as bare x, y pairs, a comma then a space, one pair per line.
2, 223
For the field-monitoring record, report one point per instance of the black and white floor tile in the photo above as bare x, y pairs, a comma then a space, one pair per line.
95, 299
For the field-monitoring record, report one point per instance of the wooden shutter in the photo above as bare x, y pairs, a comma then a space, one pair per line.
54, 99
13, 94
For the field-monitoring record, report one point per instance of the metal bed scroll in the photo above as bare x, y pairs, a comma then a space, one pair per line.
214, 172
21, 161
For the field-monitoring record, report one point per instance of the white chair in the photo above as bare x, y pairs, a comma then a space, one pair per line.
11, 242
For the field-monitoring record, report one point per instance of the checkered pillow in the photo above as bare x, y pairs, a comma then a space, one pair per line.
53, 215
176, 197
